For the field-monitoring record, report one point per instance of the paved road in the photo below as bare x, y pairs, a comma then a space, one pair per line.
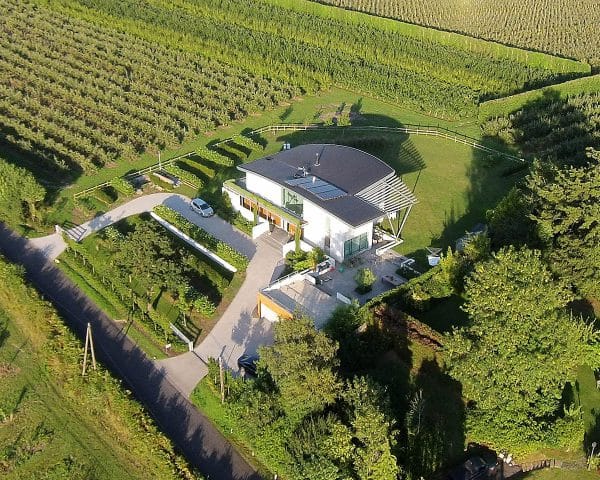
236, 332
53, 245
191, 431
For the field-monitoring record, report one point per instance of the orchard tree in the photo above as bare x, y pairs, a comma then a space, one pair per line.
18, 188
566, 209
519, 350
302, 363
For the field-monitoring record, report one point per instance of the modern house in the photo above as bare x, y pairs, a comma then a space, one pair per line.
330, 196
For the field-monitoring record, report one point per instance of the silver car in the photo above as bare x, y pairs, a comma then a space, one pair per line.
200, 206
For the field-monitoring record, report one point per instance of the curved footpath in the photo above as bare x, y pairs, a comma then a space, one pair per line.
236, 332
192, 432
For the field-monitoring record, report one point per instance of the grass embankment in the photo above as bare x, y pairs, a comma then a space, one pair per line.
55, 424
455, 184
302, 110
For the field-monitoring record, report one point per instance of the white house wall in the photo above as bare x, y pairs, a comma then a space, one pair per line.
340, 232
315, 230
235, 204
268, 314
316, 222
263, 187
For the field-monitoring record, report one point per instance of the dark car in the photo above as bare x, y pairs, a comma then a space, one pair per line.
474, 468
248, 364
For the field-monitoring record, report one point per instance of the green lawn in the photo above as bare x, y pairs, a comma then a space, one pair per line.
454, 183
307, 109
55, 425
589, 398
561, 474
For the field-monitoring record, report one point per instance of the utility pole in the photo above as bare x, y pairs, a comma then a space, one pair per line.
89, 344
221, 379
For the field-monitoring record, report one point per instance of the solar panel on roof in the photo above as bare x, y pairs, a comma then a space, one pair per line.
331, 195
318, 187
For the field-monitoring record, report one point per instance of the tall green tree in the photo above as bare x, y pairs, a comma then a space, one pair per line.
519, 350
302, 363
18, 189
566, 210
149, 255
372, 431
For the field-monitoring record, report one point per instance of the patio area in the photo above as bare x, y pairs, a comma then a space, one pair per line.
341, 280
320, 295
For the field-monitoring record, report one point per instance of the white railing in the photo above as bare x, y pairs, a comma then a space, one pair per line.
193, 243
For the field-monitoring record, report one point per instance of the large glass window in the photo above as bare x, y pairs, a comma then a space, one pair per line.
355, 245
292, 201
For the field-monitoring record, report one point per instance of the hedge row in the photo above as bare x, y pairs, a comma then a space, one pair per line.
214, 157
201, 236
184, 175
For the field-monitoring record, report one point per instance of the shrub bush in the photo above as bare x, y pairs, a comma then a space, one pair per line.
184, 175
122, 186
365, 278
223, 250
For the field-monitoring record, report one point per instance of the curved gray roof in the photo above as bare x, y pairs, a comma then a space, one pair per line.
349, 169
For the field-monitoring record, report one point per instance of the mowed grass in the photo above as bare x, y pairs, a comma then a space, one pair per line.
49, 433
561, 474
454, 183
301, 110
455, 189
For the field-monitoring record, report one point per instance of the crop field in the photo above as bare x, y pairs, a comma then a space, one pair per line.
315, 46
551, 127
56, 424
561, 27
505, 106
81, 97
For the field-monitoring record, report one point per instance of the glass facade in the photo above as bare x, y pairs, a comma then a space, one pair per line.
355, 245
292, 201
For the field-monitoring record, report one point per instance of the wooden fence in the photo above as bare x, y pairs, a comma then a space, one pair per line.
157, 166
431, 130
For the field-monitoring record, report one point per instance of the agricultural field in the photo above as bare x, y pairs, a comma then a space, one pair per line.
316, 46
551, 126
56, 424
562, 27
80, 97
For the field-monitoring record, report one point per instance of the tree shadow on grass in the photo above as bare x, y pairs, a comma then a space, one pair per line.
436, 436
394, 148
